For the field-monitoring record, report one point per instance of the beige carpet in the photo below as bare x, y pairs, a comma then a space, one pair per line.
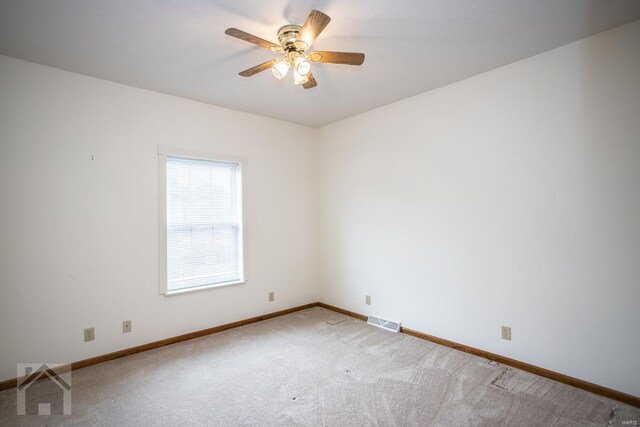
310, 368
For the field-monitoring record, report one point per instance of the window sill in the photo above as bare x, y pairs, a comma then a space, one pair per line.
202, 288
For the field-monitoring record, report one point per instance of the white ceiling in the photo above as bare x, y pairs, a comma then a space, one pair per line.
179, 47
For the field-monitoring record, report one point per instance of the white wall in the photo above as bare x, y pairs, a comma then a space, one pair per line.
511, 198
79, 236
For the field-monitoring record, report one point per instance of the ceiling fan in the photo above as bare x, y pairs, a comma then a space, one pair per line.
295, 40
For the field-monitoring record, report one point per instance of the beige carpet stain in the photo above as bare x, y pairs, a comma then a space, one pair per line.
315, 368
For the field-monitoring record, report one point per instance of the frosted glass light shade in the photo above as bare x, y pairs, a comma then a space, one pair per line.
302, 66
280, 69
298, 78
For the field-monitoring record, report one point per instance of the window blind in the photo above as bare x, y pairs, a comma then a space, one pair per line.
203, 223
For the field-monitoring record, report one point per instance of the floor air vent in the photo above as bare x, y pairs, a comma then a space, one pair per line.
384, 324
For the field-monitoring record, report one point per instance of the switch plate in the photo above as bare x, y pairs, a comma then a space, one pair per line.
126, 326
272, 296
506, 333
367, 299
89, 334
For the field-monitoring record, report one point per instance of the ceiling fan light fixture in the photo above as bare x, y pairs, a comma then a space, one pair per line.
280, 69
299, 79
294, 41
302, 65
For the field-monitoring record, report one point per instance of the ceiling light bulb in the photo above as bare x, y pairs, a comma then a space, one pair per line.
298, 78
302, 65
280, 69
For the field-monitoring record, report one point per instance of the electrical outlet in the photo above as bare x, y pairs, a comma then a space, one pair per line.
367, 299
506, 333
126, 326
89, 334
272, 296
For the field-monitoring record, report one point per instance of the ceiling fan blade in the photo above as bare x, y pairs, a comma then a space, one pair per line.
349, 58
313, 26
311, 82
258, 68
239, 34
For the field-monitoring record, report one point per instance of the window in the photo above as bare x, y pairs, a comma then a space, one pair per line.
202, 243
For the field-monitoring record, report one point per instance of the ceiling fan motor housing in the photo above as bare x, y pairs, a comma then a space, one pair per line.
289, 38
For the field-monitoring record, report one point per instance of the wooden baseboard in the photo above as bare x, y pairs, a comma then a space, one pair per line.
556, 376
343, 311
149, 346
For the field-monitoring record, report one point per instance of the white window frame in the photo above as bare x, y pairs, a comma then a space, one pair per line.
163, 153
